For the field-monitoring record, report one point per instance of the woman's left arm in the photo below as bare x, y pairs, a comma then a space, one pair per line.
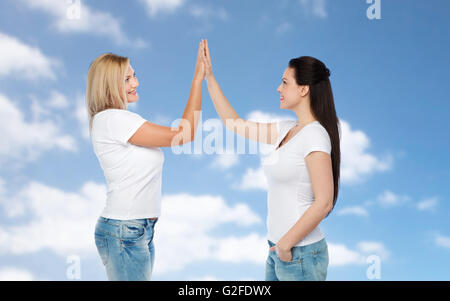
321, 174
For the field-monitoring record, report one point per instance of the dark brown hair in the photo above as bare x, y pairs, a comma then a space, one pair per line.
312, 72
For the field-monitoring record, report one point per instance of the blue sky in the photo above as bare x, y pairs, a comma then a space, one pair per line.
388, 77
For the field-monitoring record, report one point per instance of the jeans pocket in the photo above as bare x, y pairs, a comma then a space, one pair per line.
132, 232
102, 247
296, 257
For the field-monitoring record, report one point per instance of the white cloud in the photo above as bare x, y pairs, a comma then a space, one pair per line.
37, 109
25, 61
260, 116
253, 179
427, 204
354, 210
341, 255
315, 7
60, 221
442, 241
356, 162
2, 188
225, 161
373, 248
44, 107
82, 116
25, 141
15, 274
89, 21
251, 248
57, 100
155, 7
390, 199
186, 224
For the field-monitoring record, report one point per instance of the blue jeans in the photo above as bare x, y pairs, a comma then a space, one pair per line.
126, 247
308, 263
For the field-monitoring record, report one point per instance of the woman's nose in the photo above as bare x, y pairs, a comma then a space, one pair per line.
135, 83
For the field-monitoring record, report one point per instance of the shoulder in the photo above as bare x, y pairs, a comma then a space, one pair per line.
105, 114
116, 114
315, 130
113, 118
314, 138
285, 124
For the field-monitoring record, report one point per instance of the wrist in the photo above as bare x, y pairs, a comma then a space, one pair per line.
209, 76
283, 247
197, 80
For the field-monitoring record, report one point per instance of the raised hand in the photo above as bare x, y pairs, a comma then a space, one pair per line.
200, 70
206, 59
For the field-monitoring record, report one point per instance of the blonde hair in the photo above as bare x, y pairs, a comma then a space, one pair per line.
105, 87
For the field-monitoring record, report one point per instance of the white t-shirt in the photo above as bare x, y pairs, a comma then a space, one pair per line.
289, 186
133, 173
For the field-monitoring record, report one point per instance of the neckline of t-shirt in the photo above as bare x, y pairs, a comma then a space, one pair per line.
278, 144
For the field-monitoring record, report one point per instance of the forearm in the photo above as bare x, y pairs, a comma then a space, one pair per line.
193, 108
308, 222
221, 103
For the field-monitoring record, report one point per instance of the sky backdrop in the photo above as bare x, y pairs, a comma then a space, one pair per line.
391, 220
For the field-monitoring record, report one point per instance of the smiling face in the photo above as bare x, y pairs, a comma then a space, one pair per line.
291, 94
131, 83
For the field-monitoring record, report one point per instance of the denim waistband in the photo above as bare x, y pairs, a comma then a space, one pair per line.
114, 227
117, 222
319, 245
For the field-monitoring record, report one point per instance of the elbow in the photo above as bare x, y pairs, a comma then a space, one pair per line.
326, 206
180, 137
186, 132
187, 139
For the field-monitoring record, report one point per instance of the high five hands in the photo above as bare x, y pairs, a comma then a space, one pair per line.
206, 59
203, 68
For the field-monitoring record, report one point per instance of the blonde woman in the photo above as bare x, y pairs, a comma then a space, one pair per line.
128, 149
302, 171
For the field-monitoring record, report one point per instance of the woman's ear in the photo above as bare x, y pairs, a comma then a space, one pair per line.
304, 90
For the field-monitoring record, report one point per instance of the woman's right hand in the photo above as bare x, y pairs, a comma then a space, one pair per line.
199, 73
207, 59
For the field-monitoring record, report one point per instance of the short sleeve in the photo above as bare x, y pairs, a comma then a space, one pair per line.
315, 138
122, 124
